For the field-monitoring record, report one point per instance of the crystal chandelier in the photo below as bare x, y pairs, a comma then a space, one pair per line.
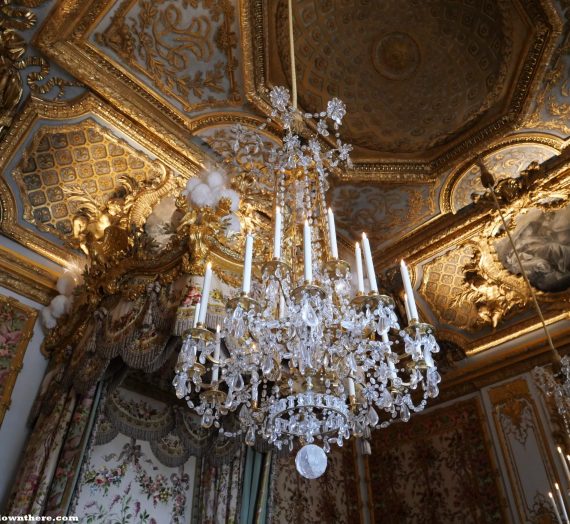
556, 384
304, 359
300, 357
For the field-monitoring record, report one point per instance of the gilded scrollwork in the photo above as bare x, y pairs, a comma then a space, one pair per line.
186, 49
492, 277
108, 231
493, 291
17, 16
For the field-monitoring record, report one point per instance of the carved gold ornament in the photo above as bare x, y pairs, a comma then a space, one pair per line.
186, 49
17, 16
491, 282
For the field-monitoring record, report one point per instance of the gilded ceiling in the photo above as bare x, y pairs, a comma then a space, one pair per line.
96, 90
422, 80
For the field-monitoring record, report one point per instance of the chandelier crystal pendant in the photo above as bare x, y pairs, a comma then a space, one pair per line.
555, 383
306, 361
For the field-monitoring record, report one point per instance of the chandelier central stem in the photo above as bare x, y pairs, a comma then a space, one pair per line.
292, 52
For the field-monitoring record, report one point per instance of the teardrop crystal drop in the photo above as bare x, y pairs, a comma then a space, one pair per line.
372, 416
309, 316
250, 436
405, 413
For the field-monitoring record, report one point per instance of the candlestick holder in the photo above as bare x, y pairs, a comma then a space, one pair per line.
276, 268
416, 327
308, 289
372, 300
213, 396
336, 268
245, 302
201, 332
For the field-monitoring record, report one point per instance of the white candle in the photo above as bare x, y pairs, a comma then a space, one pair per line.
205, 293
409, 291
216, 368
351, 390
247, 264
564, 463
561, 500
277, 237
307, 250
332, 234
407, 306
555, 507
196, 313
369, 264
359, 273
254, 392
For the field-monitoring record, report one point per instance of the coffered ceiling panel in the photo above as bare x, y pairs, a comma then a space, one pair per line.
84, 161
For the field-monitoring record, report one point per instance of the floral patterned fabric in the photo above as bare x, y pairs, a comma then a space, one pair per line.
330, 499
70, 457
220, 488
435, 468
40, 458
123, 482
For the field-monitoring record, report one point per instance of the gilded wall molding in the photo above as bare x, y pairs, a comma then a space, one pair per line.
18, 321
520, 429
26, 278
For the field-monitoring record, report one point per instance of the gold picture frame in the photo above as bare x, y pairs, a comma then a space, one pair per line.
16, 328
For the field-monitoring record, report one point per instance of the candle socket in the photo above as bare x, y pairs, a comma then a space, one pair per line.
352, 402
200, 332
245, 301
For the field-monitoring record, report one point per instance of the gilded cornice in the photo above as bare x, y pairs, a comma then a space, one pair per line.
471, 376
523, 138
26, 278
476, 225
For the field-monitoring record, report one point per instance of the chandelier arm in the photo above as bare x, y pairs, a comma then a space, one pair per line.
292, 52
525, 276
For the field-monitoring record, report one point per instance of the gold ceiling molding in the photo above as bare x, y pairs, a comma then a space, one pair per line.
18, 16
75, 50
469, 279
259, 62
162, 40
89, 106
27, 278
546, 140
552, 105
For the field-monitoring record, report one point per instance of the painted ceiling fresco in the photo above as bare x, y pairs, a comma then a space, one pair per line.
432, 89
